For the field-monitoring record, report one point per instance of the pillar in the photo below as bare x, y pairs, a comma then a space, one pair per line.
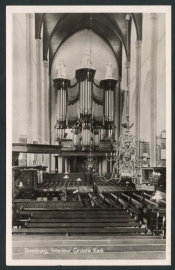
117, 110
56, 163
137, 91
46, 103
39, 95
110, 164
29, 56
46, 111
29, 82
153, 72
100, 165
66, 164
104, 165
60, 165
63, 164
127, 94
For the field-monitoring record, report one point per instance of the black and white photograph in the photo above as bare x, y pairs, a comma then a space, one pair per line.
88, 135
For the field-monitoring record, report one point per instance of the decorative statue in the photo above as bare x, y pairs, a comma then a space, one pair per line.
61, 69
109, 69
86, 58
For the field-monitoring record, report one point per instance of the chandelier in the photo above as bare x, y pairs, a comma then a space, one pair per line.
127, 167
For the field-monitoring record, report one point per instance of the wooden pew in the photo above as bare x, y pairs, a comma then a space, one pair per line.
149, 206
120, 201
137, 196
74, 231
134, 207
150, 203
82, 221
146, 195
94, 201
107, 201
162, 203
158, 221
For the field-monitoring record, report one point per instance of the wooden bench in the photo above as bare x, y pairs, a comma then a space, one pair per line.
137, 196
134, 207
79, 221
133, 201
150, 203
94, 201
146, 195
111, 203
162, 203
71, 224
148, 207
107, 202
123, 203
120, 201
158, 221
74, 231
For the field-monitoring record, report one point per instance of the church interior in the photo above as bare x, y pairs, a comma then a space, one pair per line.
89, 136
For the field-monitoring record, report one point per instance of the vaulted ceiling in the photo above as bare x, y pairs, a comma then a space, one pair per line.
111, 27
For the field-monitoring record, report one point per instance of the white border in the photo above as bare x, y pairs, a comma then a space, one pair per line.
79, 9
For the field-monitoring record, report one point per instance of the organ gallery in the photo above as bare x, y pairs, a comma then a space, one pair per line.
89, 129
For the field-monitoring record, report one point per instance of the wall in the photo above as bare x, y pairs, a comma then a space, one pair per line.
161, 75
19, 76
24, 92
145, 119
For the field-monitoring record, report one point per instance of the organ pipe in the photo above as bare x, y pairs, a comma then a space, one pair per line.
85, 77
61, 85
108, 86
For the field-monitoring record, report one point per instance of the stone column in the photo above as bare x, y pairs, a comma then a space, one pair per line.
29, 82
117, 110
60, 161
127, 94
49, 124
122, 107
137, 91
111, 165
56, 163
29, 55
66, 164
46, 111
153, 72
104, 165
46, 104
100, 165
39, 95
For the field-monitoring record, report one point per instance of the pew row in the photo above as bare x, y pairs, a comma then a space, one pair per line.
94, 221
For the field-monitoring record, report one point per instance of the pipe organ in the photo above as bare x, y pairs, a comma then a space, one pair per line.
85, 78
87, 130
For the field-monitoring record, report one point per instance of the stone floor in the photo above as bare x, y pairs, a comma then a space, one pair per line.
54, 247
